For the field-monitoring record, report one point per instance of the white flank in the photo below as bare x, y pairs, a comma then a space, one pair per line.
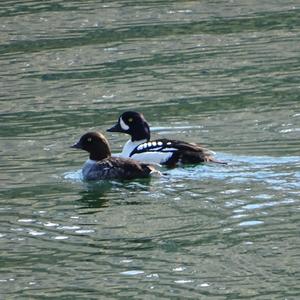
152, 157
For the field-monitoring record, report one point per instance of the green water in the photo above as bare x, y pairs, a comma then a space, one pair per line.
222, 73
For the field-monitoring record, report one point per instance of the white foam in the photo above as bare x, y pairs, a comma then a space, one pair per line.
132, 272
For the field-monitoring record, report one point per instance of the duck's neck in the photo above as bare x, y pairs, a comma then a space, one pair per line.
130, 145
98, 156
141, 133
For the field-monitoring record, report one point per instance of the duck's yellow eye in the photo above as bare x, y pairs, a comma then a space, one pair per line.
89, 140
130, 120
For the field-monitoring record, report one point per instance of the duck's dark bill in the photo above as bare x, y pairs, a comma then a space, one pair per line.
115, 128
76, 146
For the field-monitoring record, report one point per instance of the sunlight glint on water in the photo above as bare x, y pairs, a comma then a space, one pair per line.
223, 74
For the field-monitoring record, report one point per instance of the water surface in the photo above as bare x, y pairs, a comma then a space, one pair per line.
221, 73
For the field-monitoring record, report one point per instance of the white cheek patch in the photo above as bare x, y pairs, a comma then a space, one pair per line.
123, 125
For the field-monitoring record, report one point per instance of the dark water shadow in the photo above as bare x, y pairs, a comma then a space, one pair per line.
98, 195
95, 195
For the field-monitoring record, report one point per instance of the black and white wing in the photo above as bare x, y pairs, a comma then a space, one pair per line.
175, 152
162, 145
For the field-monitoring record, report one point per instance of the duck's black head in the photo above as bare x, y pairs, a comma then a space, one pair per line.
96, 144
134, 124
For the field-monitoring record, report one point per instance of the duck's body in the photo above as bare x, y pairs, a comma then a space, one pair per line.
166, 152
114, 168
101, 165
163, 151
155, 157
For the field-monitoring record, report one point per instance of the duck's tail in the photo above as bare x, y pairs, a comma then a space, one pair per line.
216, 161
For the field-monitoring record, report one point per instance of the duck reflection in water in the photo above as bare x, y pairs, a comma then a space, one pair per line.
101, 193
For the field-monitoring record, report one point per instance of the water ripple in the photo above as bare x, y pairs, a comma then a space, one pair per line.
223, 74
